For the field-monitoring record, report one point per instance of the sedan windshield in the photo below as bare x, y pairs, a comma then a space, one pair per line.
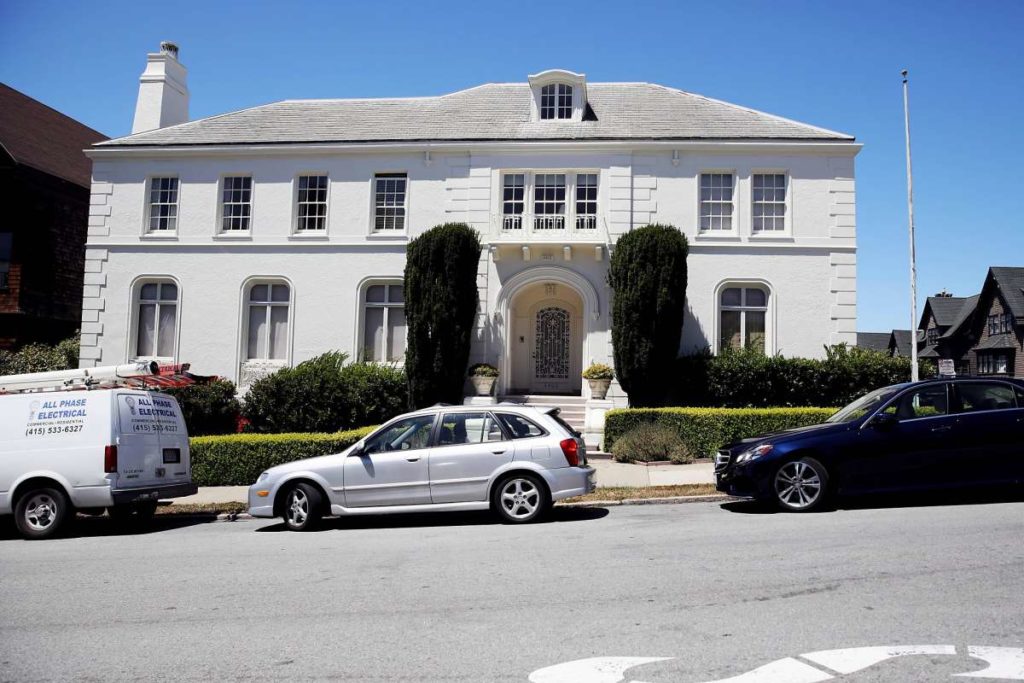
864, 405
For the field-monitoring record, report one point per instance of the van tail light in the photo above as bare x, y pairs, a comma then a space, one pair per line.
110, 459
571, 450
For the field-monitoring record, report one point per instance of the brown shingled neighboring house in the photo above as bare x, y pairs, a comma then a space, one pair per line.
44, 186
995, 332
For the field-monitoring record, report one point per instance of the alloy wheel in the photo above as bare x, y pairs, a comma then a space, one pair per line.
798, 485
298, 507
520, 498
41, 512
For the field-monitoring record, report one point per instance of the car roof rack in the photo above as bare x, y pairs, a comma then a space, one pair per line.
141, 375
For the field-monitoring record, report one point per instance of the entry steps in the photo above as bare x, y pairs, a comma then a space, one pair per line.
572, 408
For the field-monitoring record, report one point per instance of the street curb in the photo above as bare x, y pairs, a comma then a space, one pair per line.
668, 500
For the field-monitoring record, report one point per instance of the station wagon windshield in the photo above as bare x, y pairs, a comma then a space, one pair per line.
865, 404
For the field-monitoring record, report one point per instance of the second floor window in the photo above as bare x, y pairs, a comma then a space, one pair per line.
586, 201
384, 323
156, 320
163, 204
716, 203
267, 321
556, 101
389, 201
1000, 324
236, 204
549, 201
769, 206
932, 336
512, 200
311, 210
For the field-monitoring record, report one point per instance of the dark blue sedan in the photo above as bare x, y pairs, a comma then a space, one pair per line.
940, 433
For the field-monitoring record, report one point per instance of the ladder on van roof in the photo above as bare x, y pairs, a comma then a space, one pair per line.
141, 375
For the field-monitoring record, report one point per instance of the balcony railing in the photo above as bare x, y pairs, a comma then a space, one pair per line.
551, 228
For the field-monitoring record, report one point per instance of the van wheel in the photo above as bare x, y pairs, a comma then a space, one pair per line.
40, 513
520, 499
303, 507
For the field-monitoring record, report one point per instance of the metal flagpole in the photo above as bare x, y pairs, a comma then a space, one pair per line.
913, 254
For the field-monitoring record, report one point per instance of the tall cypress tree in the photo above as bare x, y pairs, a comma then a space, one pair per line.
441, 300
647, 274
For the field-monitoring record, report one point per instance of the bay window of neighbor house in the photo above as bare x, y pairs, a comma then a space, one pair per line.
156, 319
743, 313
716, 202
993, 363
267, 321
384, 322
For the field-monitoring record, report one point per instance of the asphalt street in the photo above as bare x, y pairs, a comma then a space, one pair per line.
716, 589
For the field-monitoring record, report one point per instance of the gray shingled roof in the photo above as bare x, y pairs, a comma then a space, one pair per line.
497, 111
1011, 286
945, 309
966, 309
874, 341
999, 341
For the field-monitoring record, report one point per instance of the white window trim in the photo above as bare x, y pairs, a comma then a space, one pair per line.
243, 320
556, 77
529, 185
295, 233
770, 317
132, 323
732, 233
360, 324
385, 234
147, 208
787, 232
218, 228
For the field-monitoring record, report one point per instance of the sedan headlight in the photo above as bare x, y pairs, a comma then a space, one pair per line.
754, 453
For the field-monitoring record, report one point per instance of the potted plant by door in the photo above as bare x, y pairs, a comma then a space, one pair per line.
599, 376
483, 376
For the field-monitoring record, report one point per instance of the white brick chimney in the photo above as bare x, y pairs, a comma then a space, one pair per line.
163, 93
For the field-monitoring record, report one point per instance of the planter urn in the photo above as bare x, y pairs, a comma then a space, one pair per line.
599, 388
482, 385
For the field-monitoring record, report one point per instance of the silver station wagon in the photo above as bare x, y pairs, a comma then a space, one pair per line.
512, 459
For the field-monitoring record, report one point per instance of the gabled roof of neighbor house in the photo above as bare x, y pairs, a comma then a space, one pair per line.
492, 112
945, 309
900, 341
1011, 286
963, 316
874, 341
42, 138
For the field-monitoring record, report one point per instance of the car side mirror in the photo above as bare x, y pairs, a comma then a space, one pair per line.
884, 421
357, 450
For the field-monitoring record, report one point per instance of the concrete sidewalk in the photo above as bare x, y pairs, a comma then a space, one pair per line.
609, 473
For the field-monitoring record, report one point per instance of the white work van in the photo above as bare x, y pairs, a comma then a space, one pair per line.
88, 448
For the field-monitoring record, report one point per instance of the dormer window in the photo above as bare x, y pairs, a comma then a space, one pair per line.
558, 95
556, 101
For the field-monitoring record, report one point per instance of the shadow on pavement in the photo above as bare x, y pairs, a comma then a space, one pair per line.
558, 515
84, 526
989, 496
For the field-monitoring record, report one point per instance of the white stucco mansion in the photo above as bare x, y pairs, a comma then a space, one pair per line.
259, 238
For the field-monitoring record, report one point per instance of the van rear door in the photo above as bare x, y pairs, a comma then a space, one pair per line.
173, 434
139, 449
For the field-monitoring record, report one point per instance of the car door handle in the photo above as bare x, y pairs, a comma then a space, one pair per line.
944, 428
414, 459
498, 452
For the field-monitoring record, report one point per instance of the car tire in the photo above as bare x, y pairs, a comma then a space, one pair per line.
40, 513
303, 507
520, 499
800, 485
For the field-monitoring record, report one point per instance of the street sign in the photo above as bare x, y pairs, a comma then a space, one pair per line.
946, 368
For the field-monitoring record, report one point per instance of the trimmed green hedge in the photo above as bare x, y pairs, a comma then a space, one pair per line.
238, 459
705, 430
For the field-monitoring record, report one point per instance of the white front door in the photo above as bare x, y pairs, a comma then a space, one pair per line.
552, 339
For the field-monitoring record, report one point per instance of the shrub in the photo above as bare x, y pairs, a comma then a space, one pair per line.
441, 301
599, 371
238, 459
324, 395
745, 378
483, 370
209, 408
647, 274
40, 357
651, 442
705, 430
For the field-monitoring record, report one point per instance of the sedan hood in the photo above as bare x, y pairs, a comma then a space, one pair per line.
789, 435
317, 463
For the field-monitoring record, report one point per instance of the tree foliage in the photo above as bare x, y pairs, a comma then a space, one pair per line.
647, 274
40, 358
441, 302
208, 408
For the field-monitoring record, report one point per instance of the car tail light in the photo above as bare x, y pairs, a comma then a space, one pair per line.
110, 459
571, 451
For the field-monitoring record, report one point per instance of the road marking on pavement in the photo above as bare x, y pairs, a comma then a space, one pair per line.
591, 670
851, 659
1003, 662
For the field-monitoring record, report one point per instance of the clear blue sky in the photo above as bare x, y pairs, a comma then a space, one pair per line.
832, 64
